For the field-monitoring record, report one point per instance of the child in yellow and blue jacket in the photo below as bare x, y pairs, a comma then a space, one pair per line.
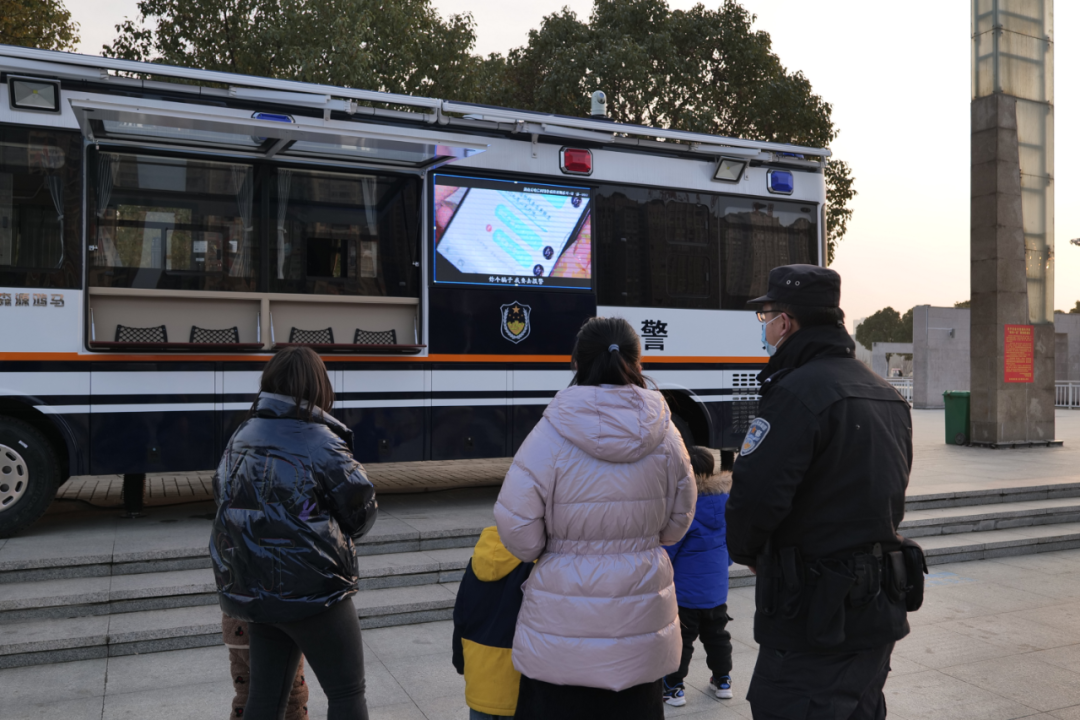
485, 615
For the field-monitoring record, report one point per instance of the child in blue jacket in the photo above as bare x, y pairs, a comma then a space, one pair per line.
701, 565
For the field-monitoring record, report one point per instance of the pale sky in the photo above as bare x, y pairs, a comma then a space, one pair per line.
898, 78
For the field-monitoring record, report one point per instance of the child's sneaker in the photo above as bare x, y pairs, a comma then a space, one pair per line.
674, 696
721, 686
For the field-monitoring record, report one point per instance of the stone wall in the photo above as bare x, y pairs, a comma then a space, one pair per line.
1067, 337
942, 340
942, 360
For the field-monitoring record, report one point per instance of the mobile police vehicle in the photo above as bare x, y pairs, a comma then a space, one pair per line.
164, 230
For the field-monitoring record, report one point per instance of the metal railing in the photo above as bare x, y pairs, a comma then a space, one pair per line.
1067, 394
905, 386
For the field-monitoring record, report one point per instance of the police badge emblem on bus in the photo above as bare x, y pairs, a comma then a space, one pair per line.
515, 325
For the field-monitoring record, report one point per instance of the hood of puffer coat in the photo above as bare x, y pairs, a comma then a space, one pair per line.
614, 423
712, 500
491, 560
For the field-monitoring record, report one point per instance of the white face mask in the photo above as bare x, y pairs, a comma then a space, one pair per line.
766, 345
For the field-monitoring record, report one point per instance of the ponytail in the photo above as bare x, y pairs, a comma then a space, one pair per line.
607, 352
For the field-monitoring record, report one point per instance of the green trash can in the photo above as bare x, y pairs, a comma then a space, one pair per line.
957, 417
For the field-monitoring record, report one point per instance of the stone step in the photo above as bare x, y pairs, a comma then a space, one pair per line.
91, 596
135, 625
997, 516
991, 496
386, 540
980, 545
42, 641
990, 544
144, 546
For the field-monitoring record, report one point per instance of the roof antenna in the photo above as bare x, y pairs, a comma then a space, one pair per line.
599, 105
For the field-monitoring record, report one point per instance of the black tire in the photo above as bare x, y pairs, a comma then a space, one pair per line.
684, 429
29, 475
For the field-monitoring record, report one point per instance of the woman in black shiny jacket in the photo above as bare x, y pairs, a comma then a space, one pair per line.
291, 499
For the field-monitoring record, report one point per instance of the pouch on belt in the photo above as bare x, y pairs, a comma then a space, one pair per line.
915, 565
826, 615
867, 585
767, 584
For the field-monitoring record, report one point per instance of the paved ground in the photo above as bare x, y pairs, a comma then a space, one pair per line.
938, 468
951, 468
995, 640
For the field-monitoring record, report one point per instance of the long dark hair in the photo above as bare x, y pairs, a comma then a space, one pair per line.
607, 352
299, 373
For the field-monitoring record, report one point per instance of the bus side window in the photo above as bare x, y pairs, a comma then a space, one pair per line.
341, 234
658, 248
171, 223
40, 198
758, 235
655, 250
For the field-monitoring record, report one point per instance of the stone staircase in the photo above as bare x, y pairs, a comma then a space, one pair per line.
72, 604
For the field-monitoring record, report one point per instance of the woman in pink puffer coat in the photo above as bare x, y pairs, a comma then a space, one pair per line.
597, 487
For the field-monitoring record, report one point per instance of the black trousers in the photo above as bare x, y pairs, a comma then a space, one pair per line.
331, 643
711, 626
539, 700
799, 685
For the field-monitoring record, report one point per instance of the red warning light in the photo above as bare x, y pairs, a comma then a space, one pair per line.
575, 161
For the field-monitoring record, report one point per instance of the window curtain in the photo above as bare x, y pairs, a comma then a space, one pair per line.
106, 254
284, 183
55, 183
367, 185
244, 186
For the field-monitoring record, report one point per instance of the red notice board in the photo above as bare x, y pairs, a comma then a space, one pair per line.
1019, 353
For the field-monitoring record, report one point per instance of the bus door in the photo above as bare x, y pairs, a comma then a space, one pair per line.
386, 407
469, 413
152, 417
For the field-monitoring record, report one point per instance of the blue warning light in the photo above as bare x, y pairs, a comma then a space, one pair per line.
781, 182
273, 117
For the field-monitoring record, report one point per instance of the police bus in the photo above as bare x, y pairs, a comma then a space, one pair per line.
164, 230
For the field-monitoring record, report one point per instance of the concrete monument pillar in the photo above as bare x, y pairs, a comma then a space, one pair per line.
1012, 223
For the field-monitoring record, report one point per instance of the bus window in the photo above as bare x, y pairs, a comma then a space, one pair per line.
758, 235
173, 223
664, 248
340, 234
656, 248
40, 198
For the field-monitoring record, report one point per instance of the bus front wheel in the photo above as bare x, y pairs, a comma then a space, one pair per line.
29, 475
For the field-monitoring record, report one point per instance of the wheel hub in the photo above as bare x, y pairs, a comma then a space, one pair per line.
14, 477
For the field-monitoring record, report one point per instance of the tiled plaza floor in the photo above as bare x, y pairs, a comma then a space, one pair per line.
995, 640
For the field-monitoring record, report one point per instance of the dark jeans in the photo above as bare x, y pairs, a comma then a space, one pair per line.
801, 685
331, 643
711, 626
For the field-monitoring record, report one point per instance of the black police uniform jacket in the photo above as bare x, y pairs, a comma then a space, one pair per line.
827, 477
291, 498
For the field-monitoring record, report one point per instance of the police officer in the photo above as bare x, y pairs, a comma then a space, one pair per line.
817, 495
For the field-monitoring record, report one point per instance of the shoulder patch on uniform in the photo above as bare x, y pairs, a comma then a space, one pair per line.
759, 428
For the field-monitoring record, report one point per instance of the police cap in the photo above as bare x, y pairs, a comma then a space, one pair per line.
807, 285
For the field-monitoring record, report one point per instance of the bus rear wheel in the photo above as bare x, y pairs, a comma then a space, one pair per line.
683, 426
29, 475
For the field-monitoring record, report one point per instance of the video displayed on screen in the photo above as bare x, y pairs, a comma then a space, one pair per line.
499, 232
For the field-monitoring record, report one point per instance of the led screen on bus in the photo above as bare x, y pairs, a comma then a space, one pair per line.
500, 232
